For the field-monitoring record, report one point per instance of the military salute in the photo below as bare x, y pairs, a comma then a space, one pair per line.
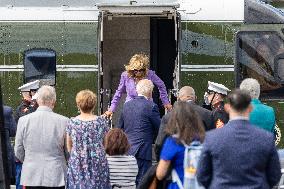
214, 100
28, 104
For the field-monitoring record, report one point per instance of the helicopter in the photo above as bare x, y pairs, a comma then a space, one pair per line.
189, 42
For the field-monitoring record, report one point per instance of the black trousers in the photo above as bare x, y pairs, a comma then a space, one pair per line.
42, 187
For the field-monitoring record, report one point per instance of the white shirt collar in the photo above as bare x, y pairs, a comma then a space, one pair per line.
143, 96
239, 118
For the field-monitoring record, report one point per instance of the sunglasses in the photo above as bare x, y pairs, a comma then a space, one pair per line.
136, 71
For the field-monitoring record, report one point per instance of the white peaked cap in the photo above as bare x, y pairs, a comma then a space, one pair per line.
29, 86
218, 88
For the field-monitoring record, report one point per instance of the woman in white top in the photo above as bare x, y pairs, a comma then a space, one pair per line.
123, 168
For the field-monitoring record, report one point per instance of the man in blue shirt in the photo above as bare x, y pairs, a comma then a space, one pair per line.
262, 115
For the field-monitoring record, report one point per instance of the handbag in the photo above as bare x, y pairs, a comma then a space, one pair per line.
150, 181
154, 183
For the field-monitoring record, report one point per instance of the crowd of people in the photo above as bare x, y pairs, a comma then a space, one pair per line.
233, 142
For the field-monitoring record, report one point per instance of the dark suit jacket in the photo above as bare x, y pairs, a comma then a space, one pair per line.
205, 115
140, 120
10, 131
239, 156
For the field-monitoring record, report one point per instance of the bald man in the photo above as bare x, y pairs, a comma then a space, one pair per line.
186, 94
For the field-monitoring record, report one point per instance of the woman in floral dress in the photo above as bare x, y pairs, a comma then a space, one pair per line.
87, 165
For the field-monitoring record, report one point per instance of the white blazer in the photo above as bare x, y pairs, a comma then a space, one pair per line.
40, 145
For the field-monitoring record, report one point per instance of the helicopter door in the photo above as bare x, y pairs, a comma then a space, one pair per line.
164, 53
124, 31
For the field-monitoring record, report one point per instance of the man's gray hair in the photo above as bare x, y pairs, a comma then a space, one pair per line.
144, 87
252, 86
186, 91
46, 95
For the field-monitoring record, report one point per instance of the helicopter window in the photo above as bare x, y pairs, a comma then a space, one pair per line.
40, 64
194, 44
260, 55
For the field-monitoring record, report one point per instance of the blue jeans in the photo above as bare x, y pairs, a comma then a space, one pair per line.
18, 175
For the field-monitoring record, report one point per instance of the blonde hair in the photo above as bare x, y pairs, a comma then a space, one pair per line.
137, 62
86, 100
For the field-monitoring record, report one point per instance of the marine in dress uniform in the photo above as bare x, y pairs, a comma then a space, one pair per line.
28, 105
214, 99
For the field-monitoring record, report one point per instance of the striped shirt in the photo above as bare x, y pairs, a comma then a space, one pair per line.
123, 171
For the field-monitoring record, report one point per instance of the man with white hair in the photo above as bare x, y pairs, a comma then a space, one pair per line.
262, 115
140, 119
40, 144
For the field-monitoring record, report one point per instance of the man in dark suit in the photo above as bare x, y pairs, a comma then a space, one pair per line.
10, 131
239, 155
140, 119
186, 94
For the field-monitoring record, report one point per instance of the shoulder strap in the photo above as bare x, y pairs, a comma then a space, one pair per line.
176, 179
191, 157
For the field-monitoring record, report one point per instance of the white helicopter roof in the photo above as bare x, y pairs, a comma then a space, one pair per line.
88, 10
73, 3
